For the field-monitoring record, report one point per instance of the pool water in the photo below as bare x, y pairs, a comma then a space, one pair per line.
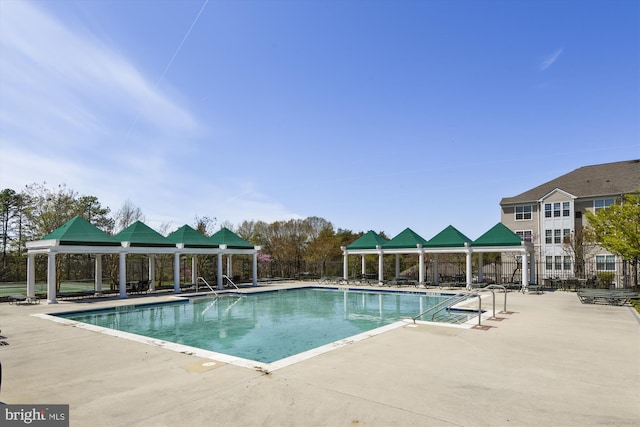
265, 326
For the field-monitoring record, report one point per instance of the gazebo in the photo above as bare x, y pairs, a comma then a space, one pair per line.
367, 244
78, 236
229, 244
140, 238
450, 240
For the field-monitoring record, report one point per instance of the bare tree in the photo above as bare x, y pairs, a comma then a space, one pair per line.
576, 246
205, 224
127, 215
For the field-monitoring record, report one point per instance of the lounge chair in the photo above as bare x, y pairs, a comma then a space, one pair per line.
23, 299
532, 288
606, 296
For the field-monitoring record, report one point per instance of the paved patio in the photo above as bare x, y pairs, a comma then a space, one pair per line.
553, 362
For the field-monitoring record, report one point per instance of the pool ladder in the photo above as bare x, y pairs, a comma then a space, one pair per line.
224, 276
462, 296
206, 283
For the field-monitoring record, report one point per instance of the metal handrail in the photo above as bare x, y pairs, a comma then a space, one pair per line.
224, 276
206, 283
466, 295
504, 289
449, 300
461, 296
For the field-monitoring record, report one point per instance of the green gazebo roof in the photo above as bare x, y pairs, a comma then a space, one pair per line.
79, 231
190, 238
498, 235
406, 239
450, 237
229, 238
369, 240
140, 234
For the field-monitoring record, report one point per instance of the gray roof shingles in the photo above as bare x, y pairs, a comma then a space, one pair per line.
588, 181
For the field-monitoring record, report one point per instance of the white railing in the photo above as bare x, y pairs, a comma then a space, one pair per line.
206, 283
224, 276
461, 296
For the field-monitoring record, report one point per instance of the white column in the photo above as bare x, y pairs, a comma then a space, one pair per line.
123, 274
219, 268
51, 279
98, 274
152, 273
176, 273
421, 267
469, 267
255, 269
345, 263
194, 268
364, 265
31, 275
525, 276
380, 264
532, 270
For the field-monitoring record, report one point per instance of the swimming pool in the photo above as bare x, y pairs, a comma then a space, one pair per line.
265, 326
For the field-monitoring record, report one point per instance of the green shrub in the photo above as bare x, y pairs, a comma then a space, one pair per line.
605, 278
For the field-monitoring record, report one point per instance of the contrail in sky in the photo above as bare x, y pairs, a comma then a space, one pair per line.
550, 60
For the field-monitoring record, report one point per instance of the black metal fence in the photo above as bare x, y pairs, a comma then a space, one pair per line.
618, 274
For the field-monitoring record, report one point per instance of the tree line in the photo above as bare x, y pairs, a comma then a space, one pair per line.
287, 247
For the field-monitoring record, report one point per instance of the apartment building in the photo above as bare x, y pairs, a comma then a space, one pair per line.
551, 216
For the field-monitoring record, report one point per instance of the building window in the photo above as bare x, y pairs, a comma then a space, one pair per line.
566, 235
567, 263
547, 210
524, 235
602, 203
523, 213
566, 208
557, 237
556, 210
548, 236
605, 262
549, 263
558, 263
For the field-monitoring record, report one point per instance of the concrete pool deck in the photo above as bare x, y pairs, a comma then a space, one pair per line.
553, 362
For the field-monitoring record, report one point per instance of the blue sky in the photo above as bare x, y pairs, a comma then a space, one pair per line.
371, 114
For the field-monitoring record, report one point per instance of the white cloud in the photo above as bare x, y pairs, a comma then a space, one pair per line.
548, 62
72, 109
48, 61
75, 112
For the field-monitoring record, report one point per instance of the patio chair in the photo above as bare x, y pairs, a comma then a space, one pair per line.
142, 286
23, 299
